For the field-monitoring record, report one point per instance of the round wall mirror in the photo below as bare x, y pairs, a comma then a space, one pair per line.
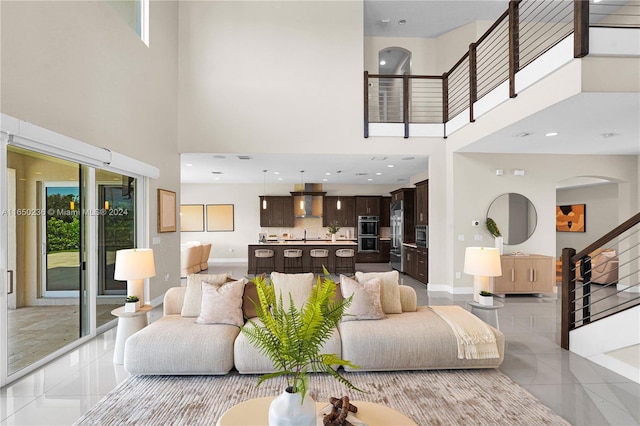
515, 216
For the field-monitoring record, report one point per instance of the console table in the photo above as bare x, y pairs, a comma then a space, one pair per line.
256, 412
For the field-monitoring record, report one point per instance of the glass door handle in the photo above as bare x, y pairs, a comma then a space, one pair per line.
10, 291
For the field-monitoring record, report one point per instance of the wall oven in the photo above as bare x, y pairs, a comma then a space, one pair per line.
368, 234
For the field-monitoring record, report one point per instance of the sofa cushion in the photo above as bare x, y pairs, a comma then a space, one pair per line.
299, 286
418, 340
222, 303
365, 304
176, 345
389, 290
193, 295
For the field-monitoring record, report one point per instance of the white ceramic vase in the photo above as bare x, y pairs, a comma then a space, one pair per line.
499, 243
286, 410
333, 238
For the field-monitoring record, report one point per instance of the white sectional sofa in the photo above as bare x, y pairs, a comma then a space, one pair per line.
408, 338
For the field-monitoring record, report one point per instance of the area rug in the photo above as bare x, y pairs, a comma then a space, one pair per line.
443, 397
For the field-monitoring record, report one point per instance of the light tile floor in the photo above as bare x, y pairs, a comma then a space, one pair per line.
577, 389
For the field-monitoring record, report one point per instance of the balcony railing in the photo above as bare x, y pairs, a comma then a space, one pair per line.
528, 29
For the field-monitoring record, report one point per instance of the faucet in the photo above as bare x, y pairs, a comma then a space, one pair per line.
304, 237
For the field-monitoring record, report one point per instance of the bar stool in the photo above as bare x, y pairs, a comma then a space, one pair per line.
265, 262
292, 260
345, 261
319, 258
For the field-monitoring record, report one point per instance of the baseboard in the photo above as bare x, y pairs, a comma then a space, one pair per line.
229, 260
449, 289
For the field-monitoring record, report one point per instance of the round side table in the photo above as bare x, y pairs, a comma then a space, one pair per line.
487, 313
128, 323
256, 412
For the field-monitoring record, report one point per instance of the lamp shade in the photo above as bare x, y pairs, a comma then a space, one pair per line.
482, 261
134, 264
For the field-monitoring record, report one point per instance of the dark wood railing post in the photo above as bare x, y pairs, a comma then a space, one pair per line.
405, 103
366, 104
585, 272
568, 302
445, 99
514, 45
473, 80
580, 28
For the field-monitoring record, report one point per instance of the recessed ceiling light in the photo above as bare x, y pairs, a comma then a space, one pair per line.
383, 62
324, 179
276, 173
188, 164
279, 178
379, 174
369, 179
327, 174
551, 134
390, 165
385, 21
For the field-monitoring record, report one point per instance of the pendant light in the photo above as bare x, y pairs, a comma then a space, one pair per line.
264, 190
302, 183
338, 203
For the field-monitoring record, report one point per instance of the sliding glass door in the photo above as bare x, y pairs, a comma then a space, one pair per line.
44, 307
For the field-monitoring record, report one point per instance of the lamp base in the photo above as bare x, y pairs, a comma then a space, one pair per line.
136, 288
480, 283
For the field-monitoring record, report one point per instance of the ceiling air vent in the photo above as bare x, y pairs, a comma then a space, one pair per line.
216, 173
244, 157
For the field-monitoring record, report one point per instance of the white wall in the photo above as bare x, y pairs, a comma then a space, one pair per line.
232, 246
601, 213
78, 69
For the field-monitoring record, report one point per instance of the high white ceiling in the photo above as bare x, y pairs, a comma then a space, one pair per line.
590, 123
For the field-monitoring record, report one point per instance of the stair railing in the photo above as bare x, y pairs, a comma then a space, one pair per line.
594, 290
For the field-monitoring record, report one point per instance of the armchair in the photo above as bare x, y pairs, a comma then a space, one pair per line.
604, 267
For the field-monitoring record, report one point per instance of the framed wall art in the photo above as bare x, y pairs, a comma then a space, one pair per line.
220, 218
571, 218
192, 217
166, 211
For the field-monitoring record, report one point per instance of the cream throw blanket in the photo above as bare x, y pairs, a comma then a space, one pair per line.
475, 338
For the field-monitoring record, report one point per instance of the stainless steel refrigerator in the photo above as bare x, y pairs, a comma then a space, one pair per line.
397, 229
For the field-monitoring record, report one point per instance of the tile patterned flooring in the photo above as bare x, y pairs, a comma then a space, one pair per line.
577, 389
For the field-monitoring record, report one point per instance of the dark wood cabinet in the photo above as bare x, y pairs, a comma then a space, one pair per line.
279, 212
368, 205
407, 195
345, 217
416, 263
385, 251
422, 203
385, 211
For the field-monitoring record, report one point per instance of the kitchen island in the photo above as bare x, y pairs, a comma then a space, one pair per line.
279, 247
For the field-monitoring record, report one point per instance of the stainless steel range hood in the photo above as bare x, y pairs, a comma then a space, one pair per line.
308, 200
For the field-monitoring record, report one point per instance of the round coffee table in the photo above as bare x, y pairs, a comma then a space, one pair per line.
255, 412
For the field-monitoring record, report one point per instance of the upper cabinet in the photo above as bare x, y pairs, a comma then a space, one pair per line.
343, 217
385, 211
422, 203
279, 212
368, 206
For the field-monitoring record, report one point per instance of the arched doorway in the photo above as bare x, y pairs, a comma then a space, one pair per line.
392, 61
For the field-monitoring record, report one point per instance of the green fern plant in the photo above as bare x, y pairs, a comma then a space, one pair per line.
492, 227
292, 338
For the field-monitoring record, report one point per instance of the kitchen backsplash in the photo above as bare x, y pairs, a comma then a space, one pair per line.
315, 230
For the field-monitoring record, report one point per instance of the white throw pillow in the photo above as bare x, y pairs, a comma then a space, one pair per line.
222, 303
193, 294
365, 304
299, 286
389, 290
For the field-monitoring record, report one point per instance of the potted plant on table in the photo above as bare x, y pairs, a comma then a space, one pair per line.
132, 304
333, 229
493, 229
486, 298
292, 339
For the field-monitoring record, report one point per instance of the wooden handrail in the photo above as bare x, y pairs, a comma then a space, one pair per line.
614, 233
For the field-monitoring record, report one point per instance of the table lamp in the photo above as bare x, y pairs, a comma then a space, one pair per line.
133, 266
482, 263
